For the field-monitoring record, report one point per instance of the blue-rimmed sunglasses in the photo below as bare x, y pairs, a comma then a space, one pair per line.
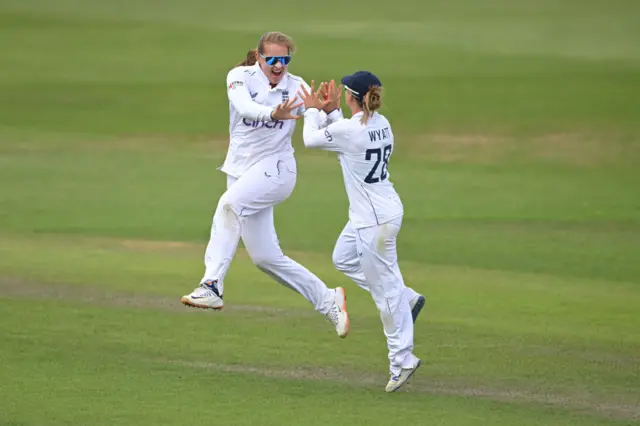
271, 60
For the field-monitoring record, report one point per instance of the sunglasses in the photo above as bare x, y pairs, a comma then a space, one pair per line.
271, 60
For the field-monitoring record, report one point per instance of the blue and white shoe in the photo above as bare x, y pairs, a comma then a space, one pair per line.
205, 296
416, 306
397, 381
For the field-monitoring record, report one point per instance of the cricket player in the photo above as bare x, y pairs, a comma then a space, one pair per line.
366, 248
261, 173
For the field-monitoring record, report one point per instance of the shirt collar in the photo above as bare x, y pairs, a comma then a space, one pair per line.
361, 113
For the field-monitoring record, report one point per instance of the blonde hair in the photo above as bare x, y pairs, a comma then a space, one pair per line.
371, 103
273, 37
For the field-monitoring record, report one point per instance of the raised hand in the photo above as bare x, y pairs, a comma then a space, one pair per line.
332, 95
284, 111
312, 98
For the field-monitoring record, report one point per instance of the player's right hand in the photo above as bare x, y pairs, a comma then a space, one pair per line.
285, 110
332, 95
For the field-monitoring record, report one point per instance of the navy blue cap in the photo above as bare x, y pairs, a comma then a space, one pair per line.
359, 83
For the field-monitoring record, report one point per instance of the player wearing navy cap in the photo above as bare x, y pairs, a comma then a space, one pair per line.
366, 248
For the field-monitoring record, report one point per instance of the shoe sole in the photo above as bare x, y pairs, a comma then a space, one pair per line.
344, 309
408, 377
191, 304
417, 308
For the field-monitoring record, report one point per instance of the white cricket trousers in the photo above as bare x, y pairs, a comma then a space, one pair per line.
246, 210
368, 256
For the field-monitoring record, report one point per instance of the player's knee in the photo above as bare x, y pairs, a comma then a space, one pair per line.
230, 217
264, 260
382, 307
340, 263
387, 303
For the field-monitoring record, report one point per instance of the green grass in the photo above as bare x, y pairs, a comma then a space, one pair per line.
518, 157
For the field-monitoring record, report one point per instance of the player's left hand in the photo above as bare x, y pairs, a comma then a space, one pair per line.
312, 98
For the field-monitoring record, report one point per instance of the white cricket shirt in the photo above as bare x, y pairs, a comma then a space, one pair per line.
253, 135
364, 152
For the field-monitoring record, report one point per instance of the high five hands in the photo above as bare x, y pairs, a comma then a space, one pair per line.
326, 98
332, 94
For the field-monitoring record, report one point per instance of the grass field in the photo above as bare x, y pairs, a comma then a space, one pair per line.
518, 160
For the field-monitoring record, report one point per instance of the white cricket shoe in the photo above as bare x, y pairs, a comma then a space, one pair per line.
205, 296
397, 381
416, 304
338, 312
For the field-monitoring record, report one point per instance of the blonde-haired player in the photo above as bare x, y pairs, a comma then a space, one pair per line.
366, 248
261, 173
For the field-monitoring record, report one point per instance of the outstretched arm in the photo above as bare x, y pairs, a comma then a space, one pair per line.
333, 137
333, 106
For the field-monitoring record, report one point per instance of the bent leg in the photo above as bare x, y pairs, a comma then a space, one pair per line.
346, 259
379, 263
261, 241
264, 185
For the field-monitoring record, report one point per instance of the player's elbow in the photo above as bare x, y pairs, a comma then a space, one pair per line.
309, 138
308, 142
250, 111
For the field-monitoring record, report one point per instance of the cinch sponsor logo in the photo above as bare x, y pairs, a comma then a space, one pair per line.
277, 124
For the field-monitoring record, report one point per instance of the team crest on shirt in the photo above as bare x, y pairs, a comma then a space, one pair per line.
285, 96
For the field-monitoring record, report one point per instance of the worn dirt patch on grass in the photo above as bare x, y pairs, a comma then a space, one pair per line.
96, 296
452, 148
420, 382
579, 149
150, 245
213, 144
575, 149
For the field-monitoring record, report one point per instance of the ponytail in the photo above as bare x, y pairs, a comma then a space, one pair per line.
371, 103
251, 59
